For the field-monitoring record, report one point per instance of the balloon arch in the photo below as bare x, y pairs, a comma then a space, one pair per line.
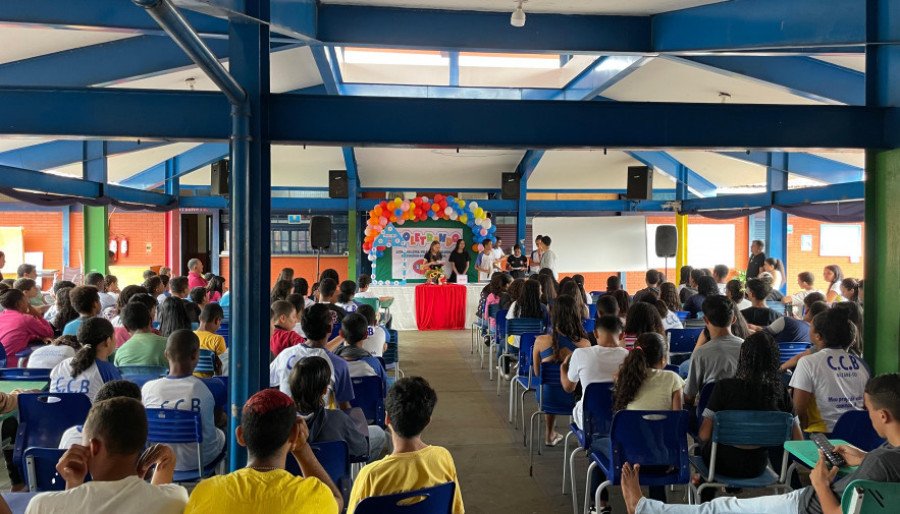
399, 211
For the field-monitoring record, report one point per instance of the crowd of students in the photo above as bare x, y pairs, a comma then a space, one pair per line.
737, 352
321, 339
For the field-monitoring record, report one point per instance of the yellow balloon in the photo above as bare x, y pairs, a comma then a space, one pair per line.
463, 218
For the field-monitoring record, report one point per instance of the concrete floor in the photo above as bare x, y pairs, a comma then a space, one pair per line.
470, 420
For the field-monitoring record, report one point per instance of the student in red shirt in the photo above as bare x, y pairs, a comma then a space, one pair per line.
284, 319
20, 325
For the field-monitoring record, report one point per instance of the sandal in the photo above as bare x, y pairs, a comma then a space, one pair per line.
557, 438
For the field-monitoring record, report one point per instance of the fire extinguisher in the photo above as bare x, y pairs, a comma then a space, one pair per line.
123, 247
113, 249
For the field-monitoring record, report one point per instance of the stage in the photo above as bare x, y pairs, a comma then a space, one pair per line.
403, 310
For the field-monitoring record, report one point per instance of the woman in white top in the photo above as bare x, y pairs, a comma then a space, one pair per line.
775, 268
734, 290
833, 274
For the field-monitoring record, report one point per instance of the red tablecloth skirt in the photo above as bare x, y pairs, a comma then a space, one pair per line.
441, 307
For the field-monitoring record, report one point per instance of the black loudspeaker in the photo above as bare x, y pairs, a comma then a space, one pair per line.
337, 184
640, 183
509, 186
320, 232
666, 241
219, 178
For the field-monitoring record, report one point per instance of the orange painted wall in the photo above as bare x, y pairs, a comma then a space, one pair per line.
141, 229
303, 266
811, 261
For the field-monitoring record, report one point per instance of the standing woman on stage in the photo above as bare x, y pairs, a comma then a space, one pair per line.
433, 257
459, 261
517, 262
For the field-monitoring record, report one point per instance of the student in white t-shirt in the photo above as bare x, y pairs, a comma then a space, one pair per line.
90, 368
181, 390
830, 381
114, 389
376, 338
486, 263
47, 357
113, 450
595, 363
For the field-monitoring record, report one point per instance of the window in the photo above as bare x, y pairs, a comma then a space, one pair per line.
293, 238
840, 241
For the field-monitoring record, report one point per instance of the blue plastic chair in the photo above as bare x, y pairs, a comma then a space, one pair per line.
23, 356
171, 426
32, 374
334, 456
498, 344
589, 325
141, 371
682, 340
855, 427
225, 331
368, 393
697, 414
657, 440
40, 470
787, 351
43, 417
516, 327
745, 428
486, 332
430, 500
682, 315
206, 362
392, 353
597, 413
592, 310
776, 306
523, 379
552, 399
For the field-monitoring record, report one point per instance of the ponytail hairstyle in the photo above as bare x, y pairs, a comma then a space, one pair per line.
776, 263
92, 333
64, 310
346, 291
567, 322
649, 350
854, 314
571, 288
734, 290
838, 274
835, 328
310, 376
851, 285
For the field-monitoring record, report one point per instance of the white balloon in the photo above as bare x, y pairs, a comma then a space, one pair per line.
486, 223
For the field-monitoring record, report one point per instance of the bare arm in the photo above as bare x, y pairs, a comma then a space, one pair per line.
821, 478
801, 406
567, 384
792, 362
332, 345
701, 340
831, 296
676, 400
706, 429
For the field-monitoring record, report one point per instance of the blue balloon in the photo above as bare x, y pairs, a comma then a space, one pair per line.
398, 212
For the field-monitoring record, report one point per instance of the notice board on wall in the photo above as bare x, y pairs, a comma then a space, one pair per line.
12, 244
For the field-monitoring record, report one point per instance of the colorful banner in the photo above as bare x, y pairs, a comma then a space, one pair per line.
418, 240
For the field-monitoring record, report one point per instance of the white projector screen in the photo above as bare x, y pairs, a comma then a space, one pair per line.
596, 244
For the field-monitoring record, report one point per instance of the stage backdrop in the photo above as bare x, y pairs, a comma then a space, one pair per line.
419, 236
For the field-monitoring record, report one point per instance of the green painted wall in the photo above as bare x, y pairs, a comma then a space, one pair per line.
96, 240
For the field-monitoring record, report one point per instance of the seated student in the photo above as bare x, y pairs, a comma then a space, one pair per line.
155, 288
194, 303
48, 356
756, 386
144, 348
413, 464
595, 363
122, 334
642, 317
97, 280
181, 390
720, 273
127, 293
270, 429
789, 330
300, 286
529, 305
830, 381
810, 311
354, 329
569, 287
652, 278
54, 308
824, 495
316, 323
283, 318
210, 322
758, 315
376, 336
706, 287
113, 452
669, 318
113, 389
567, 336
643, 383
178, 287
32, 293
310, 380
806, 281
718, 358
62, 310
345, 296
734, 290
20, 325
607, 305
85, 300
328, 294
90, 368
111, 285
173, 316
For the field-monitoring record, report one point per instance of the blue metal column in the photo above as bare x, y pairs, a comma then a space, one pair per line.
522, 214
172, 186
454, 68
216, 242
882, 246
66, 236
776, 221
251, 221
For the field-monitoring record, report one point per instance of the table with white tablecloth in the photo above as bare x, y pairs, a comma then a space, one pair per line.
403, 310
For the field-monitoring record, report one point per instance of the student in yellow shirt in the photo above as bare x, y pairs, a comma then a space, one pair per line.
210, 321
270, 429
413, 464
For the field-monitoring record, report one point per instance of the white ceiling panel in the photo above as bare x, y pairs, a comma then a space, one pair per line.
122, 166
291, 69
587, 169
548, 6
396, 74
299, 167
852, 157
19, 42
16, 143
855, 62
721, 170
434, 168
664, 80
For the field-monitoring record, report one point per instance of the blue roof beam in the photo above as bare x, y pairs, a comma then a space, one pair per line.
295, 18
601, 75
802, 76
806, 165
55, 154
760, 25
422, 91
802, 196
668, 165
191, 160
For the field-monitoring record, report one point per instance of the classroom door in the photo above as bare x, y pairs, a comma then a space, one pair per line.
196, 239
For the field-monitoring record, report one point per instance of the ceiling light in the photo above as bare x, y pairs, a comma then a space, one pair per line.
518, 16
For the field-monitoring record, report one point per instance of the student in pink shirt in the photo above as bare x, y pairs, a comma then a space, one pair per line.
195, 274
20, 325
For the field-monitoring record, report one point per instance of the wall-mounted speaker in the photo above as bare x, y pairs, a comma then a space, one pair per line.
666, 240
337, 184
509, 186
640, 183
219, 178
320, 232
